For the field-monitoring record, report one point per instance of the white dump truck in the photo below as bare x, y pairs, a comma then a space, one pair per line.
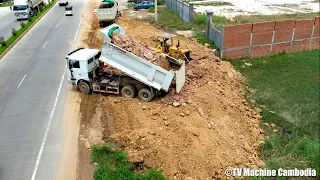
24, 8
85, 69
107, 13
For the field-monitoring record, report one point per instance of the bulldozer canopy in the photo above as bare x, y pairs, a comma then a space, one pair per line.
167, 35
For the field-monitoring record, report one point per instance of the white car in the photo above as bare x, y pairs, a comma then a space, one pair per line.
68, 11
63, 2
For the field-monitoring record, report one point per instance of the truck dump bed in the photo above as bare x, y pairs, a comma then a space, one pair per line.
33, 3
107, 11
140, 69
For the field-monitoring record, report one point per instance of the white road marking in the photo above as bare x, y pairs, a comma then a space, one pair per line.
75, 37
57, 25
51, 115
12, 20
44, 45
22, 80
48, 127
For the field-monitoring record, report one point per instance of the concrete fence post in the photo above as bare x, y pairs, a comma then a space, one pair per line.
191, 12
292, 38
221, 42
272, 41
176, 9
208, 24
182, 7
310, 44
250, 49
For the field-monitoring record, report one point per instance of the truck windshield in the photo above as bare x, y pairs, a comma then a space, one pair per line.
19, 7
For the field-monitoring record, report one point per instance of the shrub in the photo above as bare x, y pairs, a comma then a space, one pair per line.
2, 41
29, 18
22, 24
161, 2
151, 9
201, 19
14, 32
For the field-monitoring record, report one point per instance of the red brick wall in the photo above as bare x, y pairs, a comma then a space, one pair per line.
238, 36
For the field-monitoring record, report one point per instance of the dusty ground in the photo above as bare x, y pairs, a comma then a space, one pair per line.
198, 133
68, 160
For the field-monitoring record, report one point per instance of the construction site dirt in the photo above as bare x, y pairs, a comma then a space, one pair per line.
199, 133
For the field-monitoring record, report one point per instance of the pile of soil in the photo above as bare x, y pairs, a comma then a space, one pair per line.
142, 50
196, 134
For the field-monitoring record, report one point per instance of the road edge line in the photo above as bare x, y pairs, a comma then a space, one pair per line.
48, 128
24, 33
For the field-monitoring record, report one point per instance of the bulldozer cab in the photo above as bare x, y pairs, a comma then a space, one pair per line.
164, 44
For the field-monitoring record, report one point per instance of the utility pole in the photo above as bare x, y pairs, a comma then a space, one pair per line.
156, 10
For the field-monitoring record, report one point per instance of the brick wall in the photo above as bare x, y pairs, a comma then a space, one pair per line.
262, 39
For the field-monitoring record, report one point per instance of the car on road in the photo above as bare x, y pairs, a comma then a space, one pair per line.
144, 5
63, 2
68, 10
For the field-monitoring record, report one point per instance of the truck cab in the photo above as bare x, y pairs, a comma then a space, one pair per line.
21, 9
82, 64
85, 70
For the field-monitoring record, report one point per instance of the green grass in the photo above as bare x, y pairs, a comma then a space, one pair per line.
6, 4
151, 9
27, 25
287, 84
168, 20
113, 164
131, 5
202, 39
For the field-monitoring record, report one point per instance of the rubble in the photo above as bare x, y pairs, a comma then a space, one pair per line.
142, 50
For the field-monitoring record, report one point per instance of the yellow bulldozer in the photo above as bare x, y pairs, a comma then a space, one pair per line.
162, 45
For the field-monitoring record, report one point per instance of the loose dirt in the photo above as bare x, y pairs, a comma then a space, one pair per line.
199, 133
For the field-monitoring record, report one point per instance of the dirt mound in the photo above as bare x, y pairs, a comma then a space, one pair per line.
199, 133
142, 50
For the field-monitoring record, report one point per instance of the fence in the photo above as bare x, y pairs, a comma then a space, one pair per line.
256, 40
184, 10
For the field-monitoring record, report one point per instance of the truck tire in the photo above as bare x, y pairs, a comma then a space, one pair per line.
145, 95
84, 87
128, 91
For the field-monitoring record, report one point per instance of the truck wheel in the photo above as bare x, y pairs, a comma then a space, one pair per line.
145, 95
128, 91
84, 87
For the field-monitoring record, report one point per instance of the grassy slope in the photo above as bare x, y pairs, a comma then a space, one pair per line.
167, 19
6, 4
288, 84
114, 165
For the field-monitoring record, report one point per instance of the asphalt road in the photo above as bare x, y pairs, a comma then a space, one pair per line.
33, 92
7, 22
